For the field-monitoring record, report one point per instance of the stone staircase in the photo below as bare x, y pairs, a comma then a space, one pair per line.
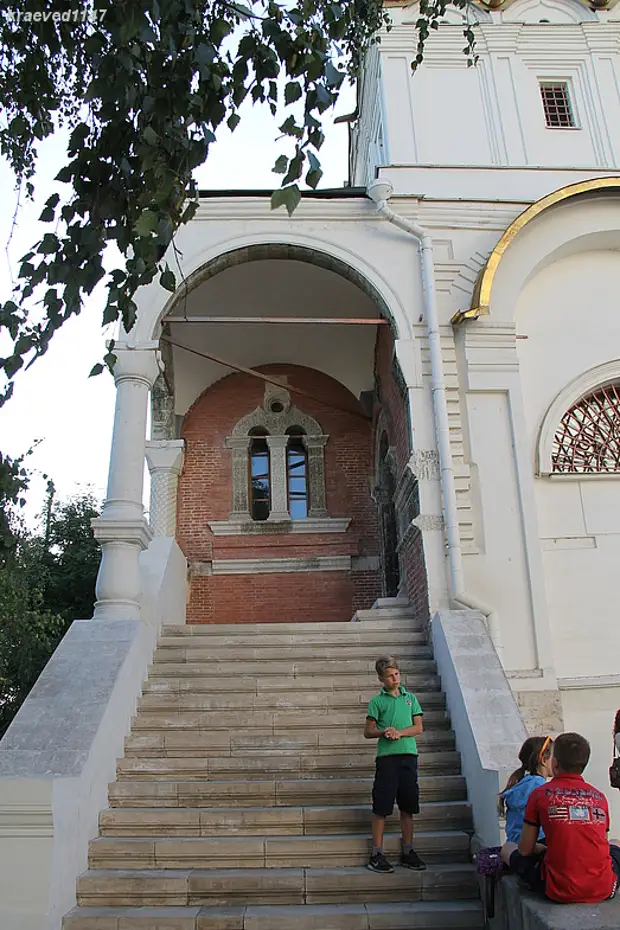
242, 802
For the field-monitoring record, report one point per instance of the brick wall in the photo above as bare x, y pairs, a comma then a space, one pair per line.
205, 494
394, 406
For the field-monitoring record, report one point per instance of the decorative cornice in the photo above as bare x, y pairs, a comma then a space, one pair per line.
325, 563
262, 527
481, 299
26, 820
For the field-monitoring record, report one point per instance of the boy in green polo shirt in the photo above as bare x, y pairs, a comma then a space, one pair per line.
394, 718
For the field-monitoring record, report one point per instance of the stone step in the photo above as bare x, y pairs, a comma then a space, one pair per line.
275, 821
261, 766
396, 620
146, 887
375, 643
286, 671
248, 793
176, 649
248, 742
168, 699
263, 851
280, 721
377, 615
196, 679
421, 915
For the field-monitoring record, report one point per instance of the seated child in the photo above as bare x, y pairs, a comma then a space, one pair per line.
579, 865
535, 757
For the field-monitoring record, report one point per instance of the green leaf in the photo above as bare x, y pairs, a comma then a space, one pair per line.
281, 165
150, 136
288, 197
313, 177
168, 280
233, 121
292, 92
96, 370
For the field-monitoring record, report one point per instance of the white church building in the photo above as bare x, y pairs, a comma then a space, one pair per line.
406, 395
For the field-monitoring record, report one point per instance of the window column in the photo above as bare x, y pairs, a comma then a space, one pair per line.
277, 458
315, 446
240, 512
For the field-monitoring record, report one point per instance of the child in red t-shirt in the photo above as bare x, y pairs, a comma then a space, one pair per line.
578, 864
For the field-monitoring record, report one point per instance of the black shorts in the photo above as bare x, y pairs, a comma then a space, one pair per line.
396, 779
528, 868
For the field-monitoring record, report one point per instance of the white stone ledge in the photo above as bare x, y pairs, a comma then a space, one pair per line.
553, 543
328, 563
275, 527
588, 682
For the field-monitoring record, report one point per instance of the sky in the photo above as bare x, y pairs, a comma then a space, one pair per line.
55, 403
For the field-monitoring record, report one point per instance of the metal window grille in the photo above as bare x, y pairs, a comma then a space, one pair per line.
557, 105
588, 438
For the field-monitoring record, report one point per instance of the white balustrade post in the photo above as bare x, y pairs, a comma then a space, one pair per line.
165, 460
122, 529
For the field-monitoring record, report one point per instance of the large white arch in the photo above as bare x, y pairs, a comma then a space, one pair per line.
581, 225
579, 387
154, 301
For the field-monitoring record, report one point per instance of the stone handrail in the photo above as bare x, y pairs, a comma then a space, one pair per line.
59, 754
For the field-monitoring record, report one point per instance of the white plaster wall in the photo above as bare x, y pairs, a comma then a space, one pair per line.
447, 114
591, 712
569, 314
500, 576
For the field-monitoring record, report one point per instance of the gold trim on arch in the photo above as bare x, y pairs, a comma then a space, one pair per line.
481, 298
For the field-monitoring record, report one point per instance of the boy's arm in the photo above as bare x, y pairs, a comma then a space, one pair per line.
415, 730
371, 730
531, 825
529, 836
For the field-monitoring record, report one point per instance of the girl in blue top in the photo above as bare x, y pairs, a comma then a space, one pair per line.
535, 757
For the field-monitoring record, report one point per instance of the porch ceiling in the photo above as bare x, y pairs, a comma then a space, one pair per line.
273, 288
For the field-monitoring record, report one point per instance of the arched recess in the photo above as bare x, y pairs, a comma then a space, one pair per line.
551, 11
576, 390
485, 294
154, 303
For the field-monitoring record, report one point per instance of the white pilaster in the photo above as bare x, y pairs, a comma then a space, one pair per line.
121, 528
165, 460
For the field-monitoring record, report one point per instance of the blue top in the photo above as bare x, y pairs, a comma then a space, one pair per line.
515, 799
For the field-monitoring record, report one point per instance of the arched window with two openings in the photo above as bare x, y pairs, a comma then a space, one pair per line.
297, 489
278, 465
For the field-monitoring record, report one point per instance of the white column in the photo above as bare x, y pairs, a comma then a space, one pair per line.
165, 461
277, 470
121, 528
424, 464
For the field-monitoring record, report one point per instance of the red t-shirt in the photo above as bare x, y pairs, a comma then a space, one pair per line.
575, 817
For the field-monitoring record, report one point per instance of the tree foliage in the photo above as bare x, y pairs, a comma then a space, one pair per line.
143, 85
47, 580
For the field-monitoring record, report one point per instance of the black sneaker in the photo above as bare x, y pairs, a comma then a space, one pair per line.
411, 860
378, 863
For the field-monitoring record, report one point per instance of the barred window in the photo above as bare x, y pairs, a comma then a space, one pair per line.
557, 105
587, 440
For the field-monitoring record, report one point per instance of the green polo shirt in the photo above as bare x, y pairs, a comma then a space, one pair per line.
395, 711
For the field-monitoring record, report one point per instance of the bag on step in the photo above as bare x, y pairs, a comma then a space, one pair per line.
614, 769
490, 866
